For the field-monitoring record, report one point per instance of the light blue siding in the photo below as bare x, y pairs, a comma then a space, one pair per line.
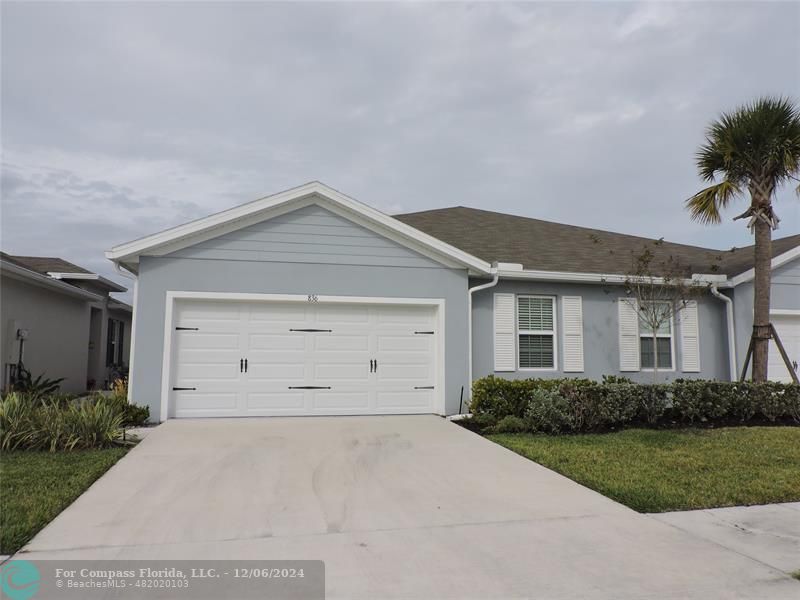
361, 264
784, 295
600, 333
307, 235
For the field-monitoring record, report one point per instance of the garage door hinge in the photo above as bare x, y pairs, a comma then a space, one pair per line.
187, 329
309, 387
423, 387
313, 330
423, 333
177, 389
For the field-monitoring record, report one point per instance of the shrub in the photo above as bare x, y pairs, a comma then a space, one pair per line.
478, 423
31, 423
563, 405
548, 412
133, 415
510, 424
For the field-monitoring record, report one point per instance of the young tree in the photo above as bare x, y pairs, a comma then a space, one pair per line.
754, 149
660, 289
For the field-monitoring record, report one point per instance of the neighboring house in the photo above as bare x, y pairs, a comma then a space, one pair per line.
58, 320
309, 302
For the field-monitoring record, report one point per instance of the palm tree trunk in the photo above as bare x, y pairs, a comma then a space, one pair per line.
761, 292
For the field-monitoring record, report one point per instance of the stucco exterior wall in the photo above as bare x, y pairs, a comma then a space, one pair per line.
600, 333
58, 328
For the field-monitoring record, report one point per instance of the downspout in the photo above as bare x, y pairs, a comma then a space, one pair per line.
129, 275
731, 331
472, 290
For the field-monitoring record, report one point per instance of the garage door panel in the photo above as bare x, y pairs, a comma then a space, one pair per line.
209, 341
411, 399
265, 373
353, 399
355, 372
278, 359
788, 328
276, 342
287, 400
209, 401
405, 343
278, 313
340, 343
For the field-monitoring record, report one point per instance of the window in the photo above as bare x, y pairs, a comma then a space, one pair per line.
662, 355
115, 342
536, 328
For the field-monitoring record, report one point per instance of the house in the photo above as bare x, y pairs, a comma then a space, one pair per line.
59, 320
309, 302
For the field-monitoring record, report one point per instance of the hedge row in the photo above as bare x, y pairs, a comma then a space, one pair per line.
580, 405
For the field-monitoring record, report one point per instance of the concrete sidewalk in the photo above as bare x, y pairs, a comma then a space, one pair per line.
412, 507
769, 534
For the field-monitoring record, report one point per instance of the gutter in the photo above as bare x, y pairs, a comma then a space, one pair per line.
496, 277
731, 330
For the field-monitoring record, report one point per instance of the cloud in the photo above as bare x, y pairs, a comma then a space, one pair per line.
120, 119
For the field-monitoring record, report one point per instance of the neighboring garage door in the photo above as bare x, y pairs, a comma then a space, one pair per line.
267, 358
788, 328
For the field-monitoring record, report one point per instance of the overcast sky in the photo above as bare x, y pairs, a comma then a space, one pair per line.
119, 120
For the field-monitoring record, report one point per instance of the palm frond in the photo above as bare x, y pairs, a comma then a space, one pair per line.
706, 204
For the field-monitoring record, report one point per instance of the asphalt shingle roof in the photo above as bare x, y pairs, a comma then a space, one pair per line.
547, 246
45, 264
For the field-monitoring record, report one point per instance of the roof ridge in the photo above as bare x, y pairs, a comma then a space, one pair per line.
590, 229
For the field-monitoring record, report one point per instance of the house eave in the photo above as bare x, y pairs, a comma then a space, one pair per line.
43, 281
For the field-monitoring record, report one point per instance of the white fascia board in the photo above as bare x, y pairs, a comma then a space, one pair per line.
315, 192
602, 278
37, 279
115, 287
777, 261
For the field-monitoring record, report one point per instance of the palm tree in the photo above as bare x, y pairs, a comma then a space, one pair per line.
755, 148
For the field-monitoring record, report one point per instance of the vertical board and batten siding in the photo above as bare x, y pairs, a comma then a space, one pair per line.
505, 332
307, 235
308, 251
572, 311
629, 358
690, 338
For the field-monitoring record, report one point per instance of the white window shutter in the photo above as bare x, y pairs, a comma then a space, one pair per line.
628, 335
690, 338
572, 309
505, 332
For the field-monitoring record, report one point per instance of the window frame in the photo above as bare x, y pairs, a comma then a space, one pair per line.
671, 336
520, 332
114, 342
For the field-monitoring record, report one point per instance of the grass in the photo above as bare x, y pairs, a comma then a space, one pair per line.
662, 470
36, 486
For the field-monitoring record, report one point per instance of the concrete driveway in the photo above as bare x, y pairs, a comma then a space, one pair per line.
396, 507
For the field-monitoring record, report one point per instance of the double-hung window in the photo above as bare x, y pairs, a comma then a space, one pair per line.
656, 353
536, 332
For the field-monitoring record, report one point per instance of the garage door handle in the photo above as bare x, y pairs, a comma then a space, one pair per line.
241, 365
187, 329
423, 387
313, 330
309, 387
245, 365
178, 389
423, 333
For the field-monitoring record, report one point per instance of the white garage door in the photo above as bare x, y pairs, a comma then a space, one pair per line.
788, 328
298, 358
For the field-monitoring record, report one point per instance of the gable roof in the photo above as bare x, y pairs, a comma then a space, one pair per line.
547, 246
16, 270
314, 192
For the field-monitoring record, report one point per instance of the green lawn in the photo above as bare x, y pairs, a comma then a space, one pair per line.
36, 486
661, 470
